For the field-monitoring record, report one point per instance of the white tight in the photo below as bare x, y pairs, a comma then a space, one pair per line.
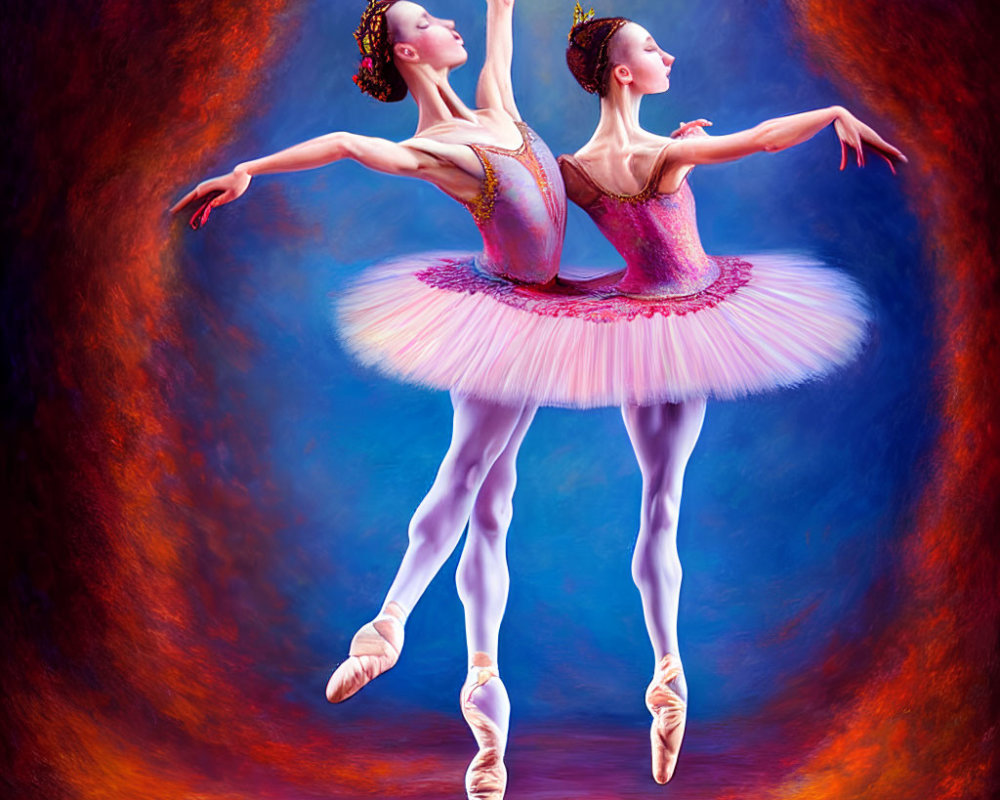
474, 483
663, 438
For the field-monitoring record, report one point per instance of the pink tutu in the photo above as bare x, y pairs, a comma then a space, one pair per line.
765, 321
675, 324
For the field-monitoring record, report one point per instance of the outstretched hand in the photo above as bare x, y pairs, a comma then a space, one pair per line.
853, 133
695, 128
211, 194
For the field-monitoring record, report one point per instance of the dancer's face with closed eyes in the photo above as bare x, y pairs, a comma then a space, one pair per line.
639, 62
418, 37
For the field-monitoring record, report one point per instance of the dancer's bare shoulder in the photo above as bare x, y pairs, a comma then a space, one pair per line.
621, 169
489, 127
452, 163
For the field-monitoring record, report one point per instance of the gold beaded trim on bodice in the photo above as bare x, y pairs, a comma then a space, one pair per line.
482, 206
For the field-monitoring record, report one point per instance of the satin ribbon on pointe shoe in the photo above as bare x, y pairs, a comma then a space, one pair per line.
486, 778
669, 716
374, 649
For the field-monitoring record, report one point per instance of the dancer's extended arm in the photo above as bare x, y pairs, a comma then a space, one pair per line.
423, 158
781, 133
495, 89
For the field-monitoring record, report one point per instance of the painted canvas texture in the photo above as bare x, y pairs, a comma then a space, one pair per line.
207, 495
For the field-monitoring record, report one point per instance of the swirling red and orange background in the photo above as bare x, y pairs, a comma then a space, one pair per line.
152, 649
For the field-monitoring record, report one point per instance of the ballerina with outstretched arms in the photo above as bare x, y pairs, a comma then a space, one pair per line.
692, 325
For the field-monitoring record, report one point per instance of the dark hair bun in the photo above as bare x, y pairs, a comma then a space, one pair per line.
587, 54
377, 74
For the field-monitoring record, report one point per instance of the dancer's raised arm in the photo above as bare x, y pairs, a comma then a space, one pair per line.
781, 133
495, 89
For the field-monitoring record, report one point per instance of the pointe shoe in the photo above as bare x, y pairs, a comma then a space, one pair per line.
374, 649
669, 716
486, 778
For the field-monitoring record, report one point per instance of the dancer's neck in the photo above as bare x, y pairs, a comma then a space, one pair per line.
619, 123
436, 100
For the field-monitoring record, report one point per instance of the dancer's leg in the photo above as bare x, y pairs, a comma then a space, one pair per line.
663, 438
483, 581
480, 432
482, 577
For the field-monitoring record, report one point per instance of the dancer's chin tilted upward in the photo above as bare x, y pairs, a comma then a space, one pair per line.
691, 325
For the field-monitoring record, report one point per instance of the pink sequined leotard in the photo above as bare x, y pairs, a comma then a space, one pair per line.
520, 211
675, 323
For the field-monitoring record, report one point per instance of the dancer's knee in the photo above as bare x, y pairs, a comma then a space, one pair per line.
662, 512
491, 516
430, 538
466, 467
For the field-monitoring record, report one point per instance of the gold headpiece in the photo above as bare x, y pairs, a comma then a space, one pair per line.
579, 16
589, 40
368, 30
376, 74
365, 44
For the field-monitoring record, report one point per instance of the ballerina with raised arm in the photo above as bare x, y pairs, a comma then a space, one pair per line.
703, 325
496, 166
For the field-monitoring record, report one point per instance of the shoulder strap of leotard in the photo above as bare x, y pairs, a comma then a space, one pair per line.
659, 167
580, 187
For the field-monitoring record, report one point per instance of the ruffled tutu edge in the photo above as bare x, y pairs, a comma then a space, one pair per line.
793, 321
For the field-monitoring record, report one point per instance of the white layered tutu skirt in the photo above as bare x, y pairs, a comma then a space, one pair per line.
435, 320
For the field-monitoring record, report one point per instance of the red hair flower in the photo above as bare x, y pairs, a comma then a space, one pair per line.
366, 63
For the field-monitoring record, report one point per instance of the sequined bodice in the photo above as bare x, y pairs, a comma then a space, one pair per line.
656, 234
521, 210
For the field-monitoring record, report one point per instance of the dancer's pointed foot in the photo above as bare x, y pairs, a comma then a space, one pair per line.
486, 709
374, 649
669, 716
